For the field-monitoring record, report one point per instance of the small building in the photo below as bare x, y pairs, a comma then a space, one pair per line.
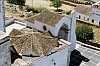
83, 12
39, 48
47, 43
96, 12
88, 13
57, 25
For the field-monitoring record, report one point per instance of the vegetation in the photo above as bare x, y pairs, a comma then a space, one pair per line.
84, 32
57, 3
17, 2
21, 3
35, 9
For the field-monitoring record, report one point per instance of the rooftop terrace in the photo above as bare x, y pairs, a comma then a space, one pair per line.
84, 56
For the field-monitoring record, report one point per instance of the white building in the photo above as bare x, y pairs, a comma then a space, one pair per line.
38, 48
48, 44
35, 50
58, 25
83, 12
89, 13
96, 13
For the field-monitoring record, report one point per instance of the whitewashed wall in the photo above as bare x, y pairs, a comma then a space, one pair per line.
9, 21
5, 56
29, 24
60, 58
71, 23
83, 16
96, 11
55, 30
2, 24
73, 30
95, 15
64, 20
39, 26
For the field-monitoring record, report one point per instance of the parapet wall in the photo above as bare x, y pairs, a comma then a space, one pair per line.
79, 2
5, 56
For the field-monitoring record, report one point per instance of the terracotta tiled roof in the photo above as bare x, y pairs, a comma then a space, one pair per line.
49, 18
39, 43
31, 19
15, 32
83, 9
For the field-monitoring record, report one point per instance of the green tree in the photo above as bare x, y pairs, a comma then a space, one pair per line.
84, 32
57, 3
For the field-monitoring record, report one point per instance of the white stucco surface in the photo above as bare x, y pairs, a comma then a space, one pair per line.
2, 28
60, 58
94, 15
64, 20
82, 16
39, 26
29, 24
13, 26
5, 56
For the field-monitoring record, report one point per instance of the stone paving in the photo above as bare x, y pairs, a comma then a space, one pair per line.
84, 56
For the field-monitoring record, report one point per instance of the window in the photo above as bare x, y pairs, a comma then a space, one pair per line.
88, 19
92, 21
44, 27
84, 18
99, 23
79, 16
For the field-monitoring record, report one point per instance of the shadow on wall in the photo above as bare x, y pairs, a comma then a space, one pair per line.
76, 58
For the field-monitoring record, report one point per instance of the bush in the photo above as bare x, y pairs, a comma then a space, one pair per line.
35, 9
57, 3
84, 32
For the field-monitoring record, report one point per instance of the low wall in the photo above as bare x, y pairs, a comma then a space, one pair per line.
88, 45
5, 56
57, 59
79, 2
9, 21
